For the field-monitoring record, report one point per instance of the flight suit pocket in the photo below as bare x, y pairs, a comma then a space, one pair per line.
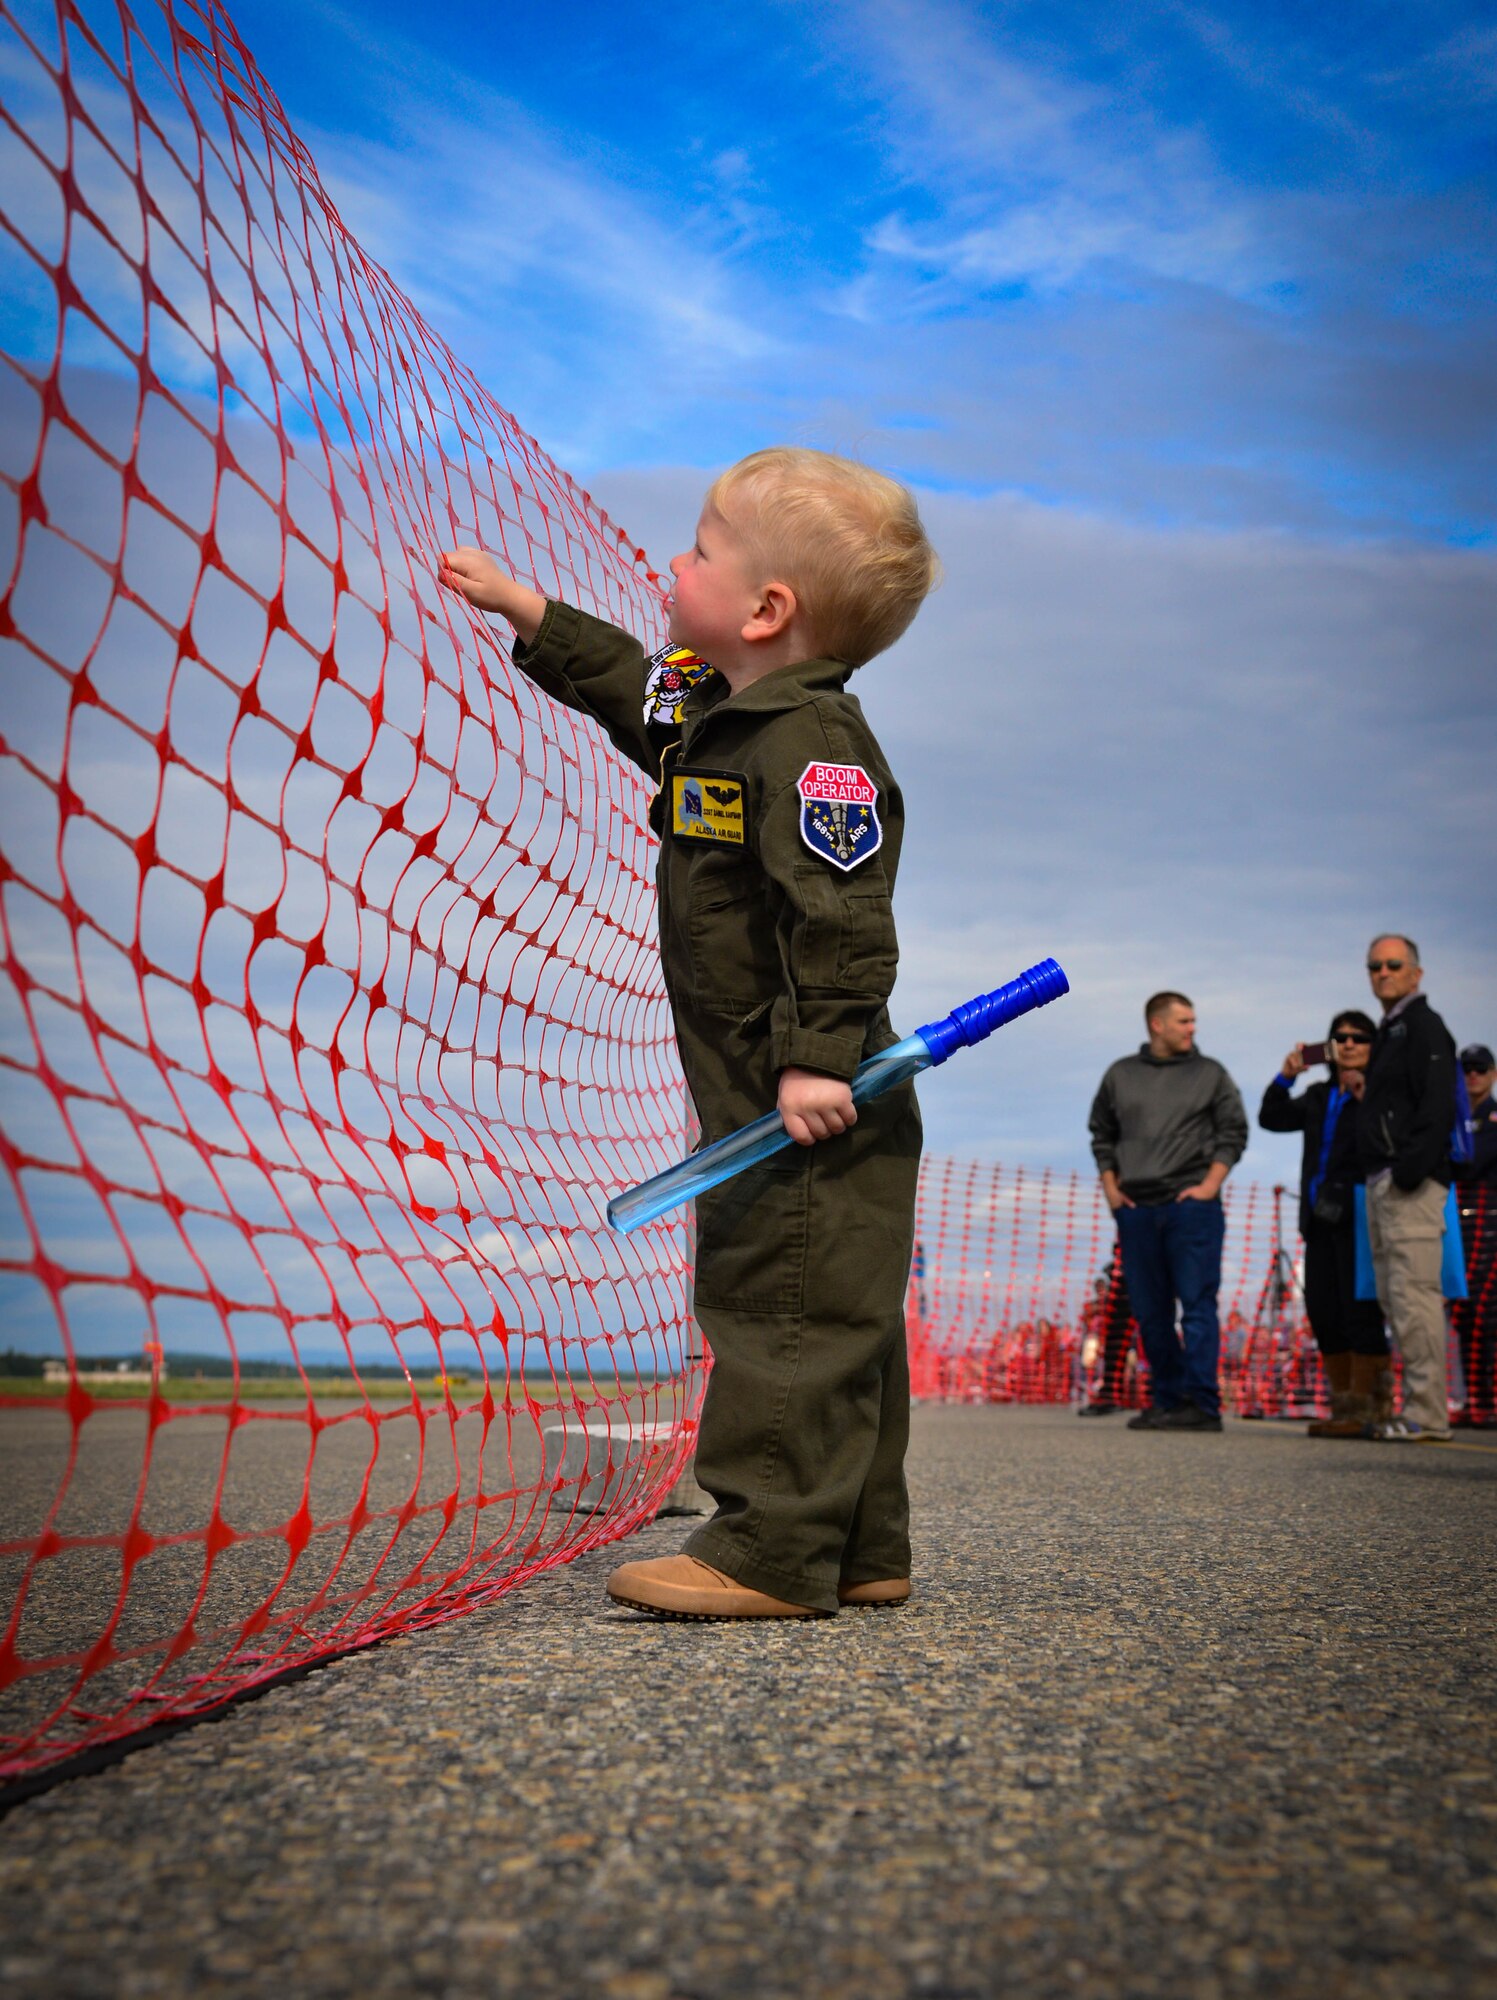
734, 960
751, 1241
845, 936
867, 956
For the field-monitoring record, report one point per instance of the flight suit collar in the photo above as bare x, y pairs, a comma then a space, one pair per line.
785, 688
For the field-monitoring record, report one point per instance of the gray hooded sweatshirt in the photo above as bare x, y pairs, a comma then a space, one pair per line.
1160, 1122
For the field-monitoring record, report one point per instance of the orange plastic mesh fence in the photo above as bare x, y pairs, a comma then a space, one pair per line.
1017, 1296
331, 1007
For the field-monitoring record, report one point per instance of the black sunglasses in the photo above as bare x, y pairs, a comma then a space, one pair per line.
1364, 1040
1386, 964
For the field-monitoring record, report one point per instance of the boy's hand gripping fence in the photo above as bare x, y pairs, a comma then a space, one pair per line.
935, 1043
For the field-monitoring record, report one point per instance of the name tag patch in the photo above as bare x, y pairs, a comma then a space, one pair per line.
670, 675
708, 805
839, 819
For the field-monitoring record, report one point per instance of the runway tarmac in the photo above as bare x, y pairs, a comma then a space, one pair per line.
1167, 1716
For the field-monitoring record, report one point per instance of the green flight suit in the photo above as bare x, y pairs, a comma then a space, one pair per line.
775, 953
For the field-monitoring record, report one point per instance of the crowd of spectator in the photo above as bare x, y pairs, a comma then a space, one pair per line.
1399, 1161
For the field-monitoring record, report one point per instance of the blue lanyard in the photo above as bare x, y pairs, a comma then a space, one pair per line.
1334, 1103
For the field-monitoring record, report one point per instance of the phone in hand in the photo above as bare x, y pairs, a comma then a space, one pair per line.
1315, 1052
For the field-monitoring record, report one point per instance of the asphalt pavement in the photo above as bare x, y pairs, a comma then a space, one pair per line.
1167, 1715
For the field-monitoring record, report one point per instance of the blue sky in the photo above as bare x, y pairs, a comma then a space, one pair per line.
1182, 323
1224, 267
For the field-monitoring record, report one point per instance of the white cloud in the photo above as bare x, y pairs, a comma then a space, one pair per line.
572, 293
516, 212
1050, 244
1458, 72
1039, 179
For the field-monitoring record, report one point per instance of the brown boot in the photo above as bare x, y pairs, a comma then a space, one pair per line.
1339, 1424
880, 1594
1376, 1371
682, 1587
1372, 1379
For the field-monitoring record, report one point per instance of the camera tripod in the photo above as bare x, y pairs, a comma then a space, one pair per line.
1280, 1367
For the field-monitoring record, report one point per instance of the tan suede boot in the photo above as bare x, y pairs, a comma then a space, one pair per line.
682, 1587
1338, 1373
880, 1595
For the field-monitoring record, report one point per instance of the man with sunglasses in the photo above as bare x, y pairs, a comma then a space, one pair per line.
1403, 1131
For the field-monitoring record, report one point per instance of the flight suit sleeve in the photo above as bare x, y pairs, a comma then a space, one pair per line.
835, 930
591, 666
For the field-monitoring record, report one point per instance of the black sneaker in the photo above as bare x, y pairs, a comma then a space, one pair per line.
1099, 1406
1189, 1417
1149, 1420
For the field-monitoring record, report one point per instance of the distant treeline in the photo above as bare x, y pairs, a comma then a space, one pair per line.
282, 1371
14, 1363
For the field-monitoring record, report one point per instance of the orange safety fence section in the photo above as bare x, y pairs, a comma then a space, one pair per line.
330, 1010
1017, 1295
1473, 1319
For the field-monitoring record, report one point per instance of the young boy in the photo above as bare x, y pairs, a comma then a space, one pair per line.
780, 828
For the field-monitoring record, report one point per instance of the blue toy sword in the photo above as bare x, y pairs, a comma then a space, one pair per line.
932, 1044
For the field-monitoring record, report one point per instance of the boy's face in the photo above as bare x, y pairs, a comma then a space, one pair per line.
716, 591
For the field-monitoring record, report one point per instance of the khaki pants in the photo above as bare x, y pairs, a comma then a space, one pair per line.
1406, 1232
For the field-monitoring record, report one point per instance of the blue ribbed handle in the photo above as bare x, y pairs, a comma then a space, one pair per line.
929, 1045
975, 1020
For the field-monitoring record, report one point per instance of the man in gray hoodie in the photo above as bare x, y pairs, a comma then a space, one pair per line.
1167, 1128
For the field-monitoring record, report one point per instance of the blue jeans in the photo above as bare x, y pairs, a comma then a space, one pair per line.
1172, 1253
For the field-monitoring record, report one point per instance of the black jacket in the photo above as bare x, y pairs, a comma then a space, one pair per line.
1159, 1124
1482, 1167
1280, 1112
1408, 1107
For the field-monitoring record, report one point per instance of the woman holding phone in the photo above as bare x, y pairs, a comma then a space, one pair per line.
1349, 1331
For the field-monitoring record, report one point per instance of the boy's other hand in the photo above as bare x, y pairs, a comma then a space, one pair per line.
487, 587
815, 1107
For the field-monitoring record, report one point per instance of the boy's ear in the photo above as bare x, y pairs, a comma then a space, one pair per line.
772, 614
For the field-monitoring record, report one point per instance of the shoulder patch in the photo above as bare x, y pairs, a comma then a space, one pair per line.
670, 675
839, 819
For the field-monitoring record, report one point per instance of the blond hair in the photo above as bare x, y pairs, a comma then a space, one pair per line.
847, 540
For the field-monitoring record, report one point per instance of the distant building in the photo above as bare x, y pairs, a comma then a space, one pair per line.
101, 1371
